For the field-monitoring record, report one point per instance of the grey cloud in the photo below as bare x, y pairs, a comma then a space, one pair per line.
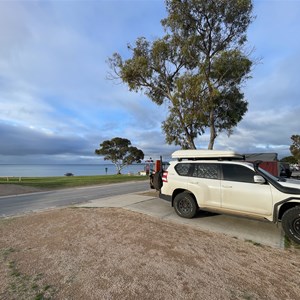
21, 141
268, 131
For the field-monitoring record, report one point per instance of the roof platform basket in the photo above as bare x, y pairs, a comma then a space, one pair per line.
206, 155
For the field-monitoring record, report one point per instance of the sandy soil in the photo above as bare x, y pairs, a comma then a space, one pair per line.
112, 253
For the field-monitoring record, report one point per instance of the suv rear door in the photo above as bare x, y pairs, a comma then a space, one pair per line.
205, 183
241, 194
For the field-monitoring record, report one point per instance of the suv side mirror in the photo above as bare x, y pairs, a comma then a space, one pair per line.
259, 179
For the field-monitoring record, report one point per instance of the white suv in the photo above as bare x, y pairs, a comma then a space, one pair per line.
220, 181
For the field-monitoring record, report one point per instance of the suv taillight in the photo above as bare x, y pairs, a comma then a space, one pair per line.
165, 176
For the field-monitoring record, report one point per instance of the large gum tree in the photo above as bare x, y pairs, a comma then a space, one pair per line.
198, 68
120, 152
295, 147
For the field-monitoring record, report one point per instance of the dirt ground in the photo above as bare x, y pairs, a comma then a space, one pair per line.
112, 253
14, 189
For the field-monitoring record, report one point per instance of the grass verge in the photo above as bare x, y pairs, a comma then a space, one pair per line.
289, 244
71, 181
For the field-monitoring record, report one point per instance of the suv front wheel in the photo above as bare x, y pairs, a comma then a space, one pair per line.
291, 223
185, 205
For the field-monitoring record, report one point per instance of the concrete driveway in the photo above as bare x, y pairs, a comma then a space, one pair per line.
265, 233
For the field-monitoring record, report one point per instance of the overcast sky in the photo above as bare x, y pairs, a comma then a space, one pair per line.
56, 105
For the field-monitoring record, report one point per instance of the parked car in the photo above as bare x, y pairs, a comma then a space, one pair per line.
285, 170
222, 182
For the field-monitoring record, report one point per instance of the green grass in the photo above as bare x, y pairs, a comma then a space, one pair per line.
289, 244
70, 181
254, 243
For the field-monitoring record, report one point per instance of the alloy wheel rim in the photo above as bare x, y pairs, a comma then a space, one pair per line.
296, 226
184, 206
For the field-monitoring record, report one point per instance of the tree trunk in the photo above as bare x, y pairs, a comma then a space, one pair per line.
192, 144
118, 168
213, 133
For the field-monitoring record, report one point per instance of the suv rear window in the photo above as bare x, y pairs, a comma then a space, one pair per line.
197, 170
184, 169
209, 171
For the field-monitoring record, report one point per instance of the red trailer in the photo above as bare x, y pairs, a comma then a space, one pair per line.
270, 163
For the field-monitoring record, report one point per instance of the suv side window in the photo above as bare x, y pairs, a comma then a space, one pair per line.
209, 171
239, 173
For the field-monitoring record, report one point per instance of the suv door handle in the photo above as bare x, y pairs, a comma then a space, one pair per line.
227, 186
194, 182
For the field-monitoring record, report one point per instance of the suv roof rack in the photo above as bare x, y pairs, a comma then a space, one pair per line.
207, 155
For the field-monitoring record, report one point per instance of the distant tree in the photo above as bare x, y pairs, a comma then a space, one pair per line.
289, 159
197, 68
120, 152
295, 147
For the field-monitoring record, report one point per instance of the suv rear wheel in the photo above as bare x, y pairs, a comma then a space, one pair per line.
185, 205
291, 223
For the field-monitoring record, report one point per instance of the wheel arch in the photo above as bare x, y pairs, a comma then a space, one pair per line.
179, 191
285, 206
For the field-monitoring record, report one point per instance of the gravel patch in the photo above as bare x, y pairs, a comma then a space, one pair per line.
15, 189
111, 253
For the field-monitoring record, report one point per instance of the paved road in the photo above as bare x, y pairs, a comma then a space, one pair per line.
13, 205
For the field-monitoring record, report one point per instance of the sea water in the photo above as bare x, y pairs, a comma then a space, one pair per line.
44, 170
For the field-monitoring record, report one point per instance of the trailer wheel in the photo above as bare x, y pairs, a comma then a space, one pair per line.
291, 223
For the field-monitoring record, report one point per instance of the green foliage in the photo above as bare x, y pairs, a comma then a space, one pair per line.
120, 152
289, 159
197, 68
295, 147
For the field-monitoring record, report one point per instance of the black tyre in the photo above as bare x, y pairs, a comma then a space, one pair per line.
291, 223
185, 205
